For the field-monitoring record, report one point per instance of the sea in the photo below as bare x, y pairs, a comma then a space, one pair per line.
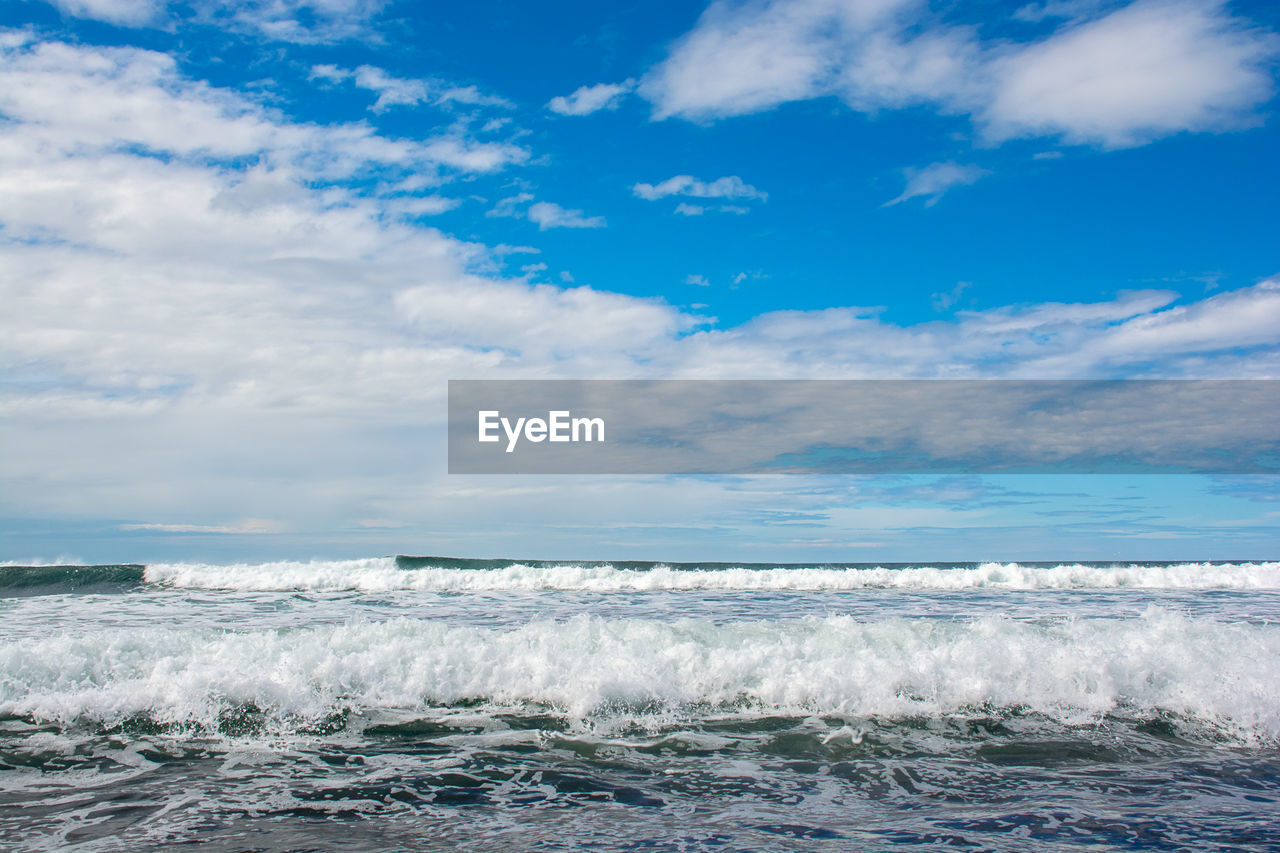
429, 703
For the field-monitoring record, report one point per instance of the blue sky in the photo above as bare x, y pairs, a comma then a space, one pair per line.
247, 244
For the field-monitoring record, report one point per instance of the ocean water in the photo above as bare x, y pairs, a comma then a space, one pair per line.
417, 703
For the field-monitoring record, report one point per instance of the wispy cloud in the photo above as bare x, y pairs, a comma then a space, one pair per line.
514, 205
401, 91
945, 300
589, 99
932, 181
129, 13
301, 21
68, 97
550, 215
544, 214
728, 187
249, 526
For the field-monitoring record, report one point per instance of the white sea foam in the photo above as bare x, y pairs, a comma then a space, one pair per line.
382, 574
1223, 676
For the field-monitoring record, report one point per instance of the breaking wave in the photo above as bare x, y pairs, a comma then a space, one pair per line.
1222, 677
452, 575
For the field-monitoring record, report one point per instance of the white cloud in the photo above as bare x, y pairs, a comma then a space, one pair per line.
429, 205
511, 205
392, 91
744, 58
1146, 70
589, 99
402, 91
189, 337
550, 215
302, 21
686, 209
1142, 72
544, 214
699, 280
1235, 320
116, 98
889, 69
932, 181
332, 73
130, 13
1121, 337
1034, 12
728, 187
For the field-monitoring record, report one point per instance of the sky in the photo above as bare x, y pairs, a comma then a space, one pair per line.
243, 247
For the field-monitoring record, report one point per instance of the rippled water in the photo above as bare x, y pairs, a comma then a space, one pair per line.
597, 707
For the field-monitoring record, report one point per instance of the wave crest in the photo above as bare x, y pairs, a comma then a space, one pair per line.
388, 573
1225, 676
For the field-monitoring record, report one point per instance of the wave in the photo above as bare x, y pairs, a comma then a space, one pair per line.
65, 578
1225, 678
451, 575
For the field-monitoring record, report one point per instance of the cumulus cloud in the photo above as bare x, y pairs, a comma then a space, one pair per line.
207, 316
932, 181
1142, 72
743, 58
589, 99
1118, 78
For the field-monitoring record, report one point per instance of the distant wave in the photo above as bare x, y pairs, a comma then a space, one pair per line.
441, 574
449, 575
1223, 678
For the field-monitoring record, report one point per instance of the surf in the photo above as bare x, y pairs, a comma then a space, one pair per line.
1222, 677
449, 575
